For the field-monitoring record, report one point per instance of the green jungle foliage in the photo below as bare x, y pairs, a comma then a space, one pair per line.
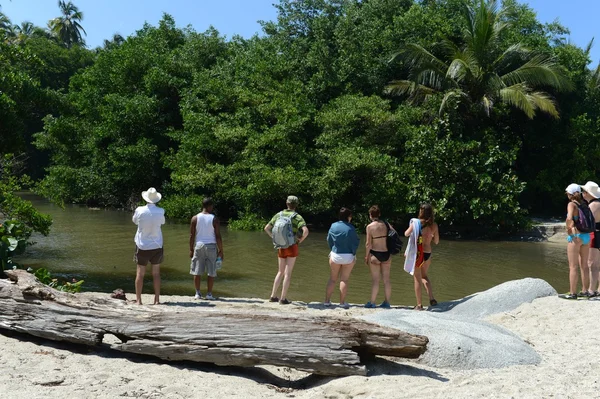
475, 107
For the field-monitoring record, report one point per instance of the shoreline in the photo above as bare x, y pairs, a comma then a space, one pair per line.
38, 368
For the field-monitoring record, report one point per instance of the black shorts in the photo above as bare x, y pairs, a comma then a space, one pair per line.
142, 257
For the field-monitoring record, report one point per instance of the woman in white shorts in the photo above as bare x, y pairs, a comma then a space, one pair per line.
343, 242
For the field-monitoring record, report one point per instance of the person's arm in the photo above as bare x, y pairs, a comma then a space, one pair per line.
368, 246
136, 217
268, 228
330, 239
192, 236
436, 234
304, 234
217, 227
571, 208
355, 241
409, 231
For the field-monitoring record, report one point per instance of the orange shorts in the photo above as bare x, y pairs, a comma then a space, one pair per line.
289, 252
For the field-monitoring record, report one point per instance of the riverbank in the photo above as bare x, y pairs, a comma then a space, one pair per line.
562, 332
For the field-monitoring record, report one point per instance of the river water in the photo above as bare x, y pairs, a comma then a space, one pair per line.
97, 246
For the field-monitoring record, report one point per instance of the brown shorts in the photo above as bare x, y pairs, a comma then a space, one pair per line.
289, 252
142, 257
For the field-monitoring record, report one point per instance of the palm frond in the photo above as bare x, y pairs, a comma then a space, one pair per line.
451, 94
541, 70
544, 102
516, 96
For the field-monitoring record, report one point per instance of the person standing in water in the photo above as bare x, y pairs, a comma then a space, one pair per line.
284, 229
206, 245
591, 193
148, 242
378, 258
343, 242
429, 234
578, 243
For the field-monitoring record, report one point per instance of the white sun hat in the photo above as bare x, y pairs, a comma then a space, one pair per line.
573, 188
151, 196
592, 189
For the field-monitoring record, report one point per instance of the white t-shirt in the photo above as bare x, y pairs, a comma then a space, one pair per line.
149, 218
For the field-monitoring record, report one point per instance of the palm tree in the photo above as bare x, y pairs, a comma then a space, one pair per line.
5, 23
24, 31
479, 71
67, 27
116, 41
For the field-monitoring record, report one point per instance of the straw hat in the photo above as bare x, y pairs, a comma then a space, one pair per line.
151, 196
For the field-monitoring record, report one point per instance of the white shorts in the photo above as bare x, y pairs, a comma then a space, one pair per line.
342, 259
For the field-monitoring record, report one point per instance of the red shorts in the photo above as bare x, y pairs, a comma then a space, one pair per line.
289, 252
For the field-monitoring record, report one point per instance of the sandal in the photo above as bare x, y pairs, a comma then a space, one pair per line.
584, 294
274, 299
418, 307
433, 302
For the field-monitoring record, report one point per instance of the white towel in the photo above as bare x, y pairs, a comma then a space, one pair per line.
410, 254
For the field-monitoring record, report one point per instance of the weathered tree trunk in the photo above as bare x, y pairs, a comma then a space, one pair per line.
321, 345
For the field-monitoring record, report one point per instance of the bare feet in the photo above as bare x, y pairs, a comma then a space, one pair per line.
138, 302
418, 307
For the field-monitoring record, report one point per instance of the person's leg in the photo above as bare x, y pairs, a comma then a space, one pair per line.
584, 251
211, 268
278, 276
344, 278
333, 276
387, 284
156, 281
425, 279
594, 266
210, 281
375, 269
139, 283
287, 277
573, 257
417, 280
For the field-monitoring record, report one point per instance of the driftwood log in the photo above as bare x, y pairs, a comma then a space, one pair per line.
321, 345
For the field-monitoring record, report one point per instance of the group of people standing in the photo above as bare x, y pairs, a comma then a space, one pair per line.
343, 242
287, 230
583, 239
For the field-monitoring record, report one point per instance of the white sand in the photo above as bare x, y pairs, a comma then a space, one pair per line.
565, 334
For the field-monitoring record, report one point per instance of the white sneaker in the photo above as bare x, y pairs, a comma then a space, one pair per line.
198, 296
209, 296
327, 304
345, 305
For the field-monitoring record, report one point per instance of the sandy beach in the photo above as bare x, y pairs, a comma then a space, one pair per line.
564, 333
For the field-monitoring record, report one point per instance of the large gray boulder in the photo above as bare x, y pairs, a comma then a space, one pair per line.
501, 298
459, 339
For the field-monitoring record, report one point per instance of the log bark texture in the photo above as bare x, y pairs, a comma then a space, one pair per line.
321, 345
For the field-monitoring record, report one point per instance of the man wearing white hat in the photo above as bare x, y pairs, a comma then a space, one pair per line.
148, 242
591, 193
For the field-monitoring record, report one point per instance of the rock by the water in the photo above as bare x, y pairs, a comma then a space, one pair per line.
501, 298
458, 338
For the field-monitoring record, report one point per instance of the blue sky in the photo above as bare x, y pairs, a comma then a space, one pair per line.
105, 17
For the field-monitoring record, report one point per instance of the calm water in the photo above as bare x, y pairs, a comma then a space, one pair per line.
97, 246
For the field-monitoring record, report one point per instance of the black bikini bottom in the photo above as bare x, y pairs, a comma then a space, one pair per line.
381, 256
426, 256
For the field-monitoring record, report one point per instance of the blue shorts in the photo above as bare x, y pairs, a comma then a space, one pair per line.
584, 237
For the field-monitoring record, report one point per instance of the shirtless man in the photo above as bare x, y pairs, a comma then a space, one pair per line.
378, 258
429, 235
591, 193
